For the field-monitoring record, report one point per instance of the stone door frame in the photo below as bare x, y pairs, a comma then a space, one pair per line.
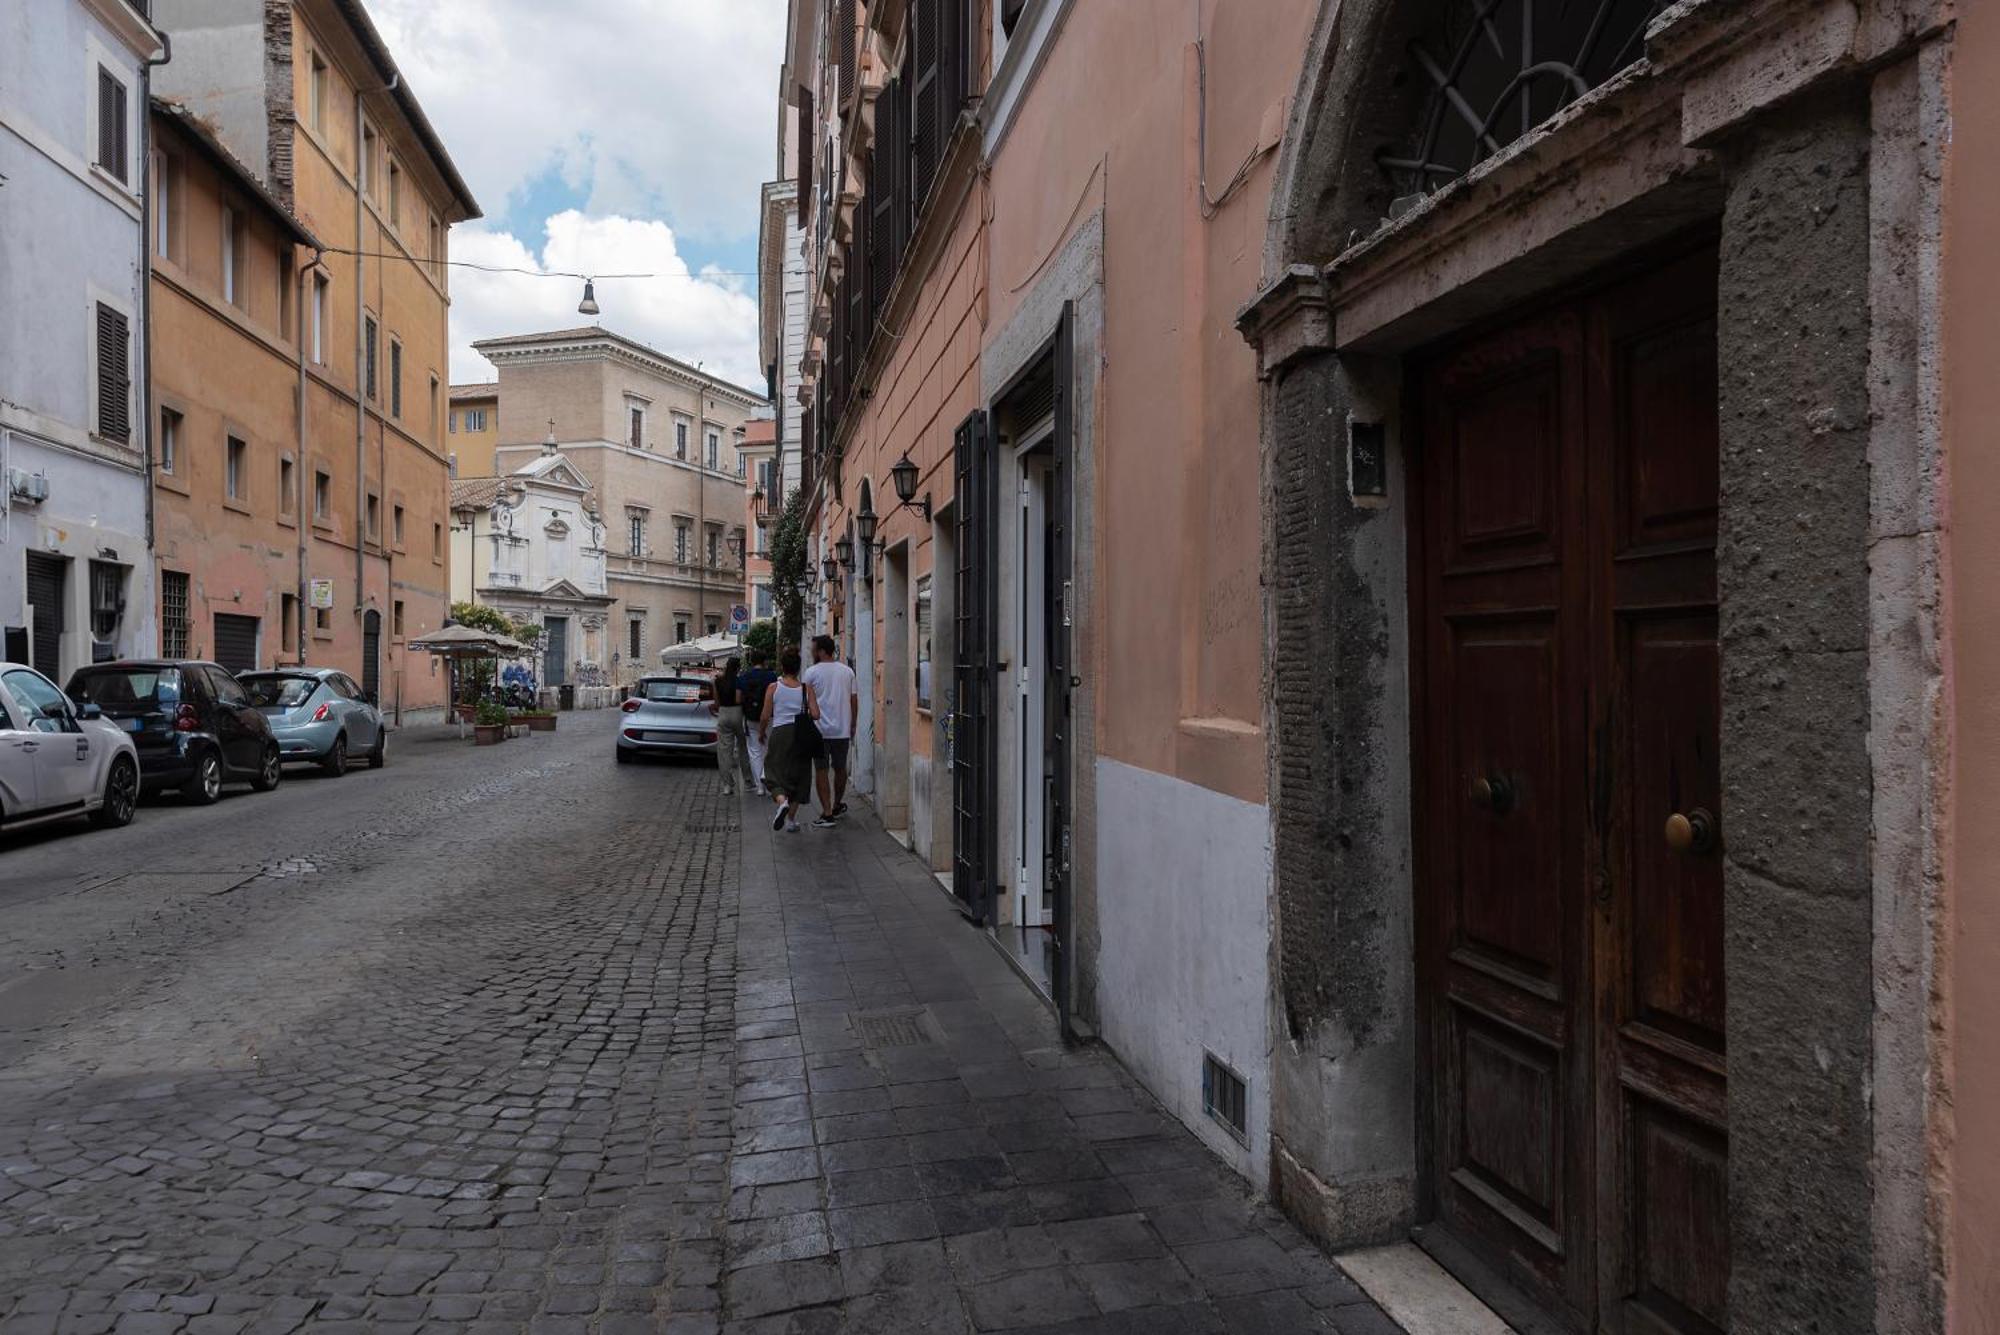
1810, 135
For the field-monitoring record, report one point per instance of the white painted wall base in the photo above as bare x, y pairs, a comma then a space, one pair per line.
1184, 921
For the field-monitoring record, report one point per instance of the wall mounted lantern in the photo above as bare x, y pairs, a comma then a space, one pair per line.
830, 568
904, 477
843, 552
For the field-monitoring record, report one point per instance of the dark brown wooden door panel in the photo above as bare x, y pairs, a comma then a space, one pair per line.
1570, 951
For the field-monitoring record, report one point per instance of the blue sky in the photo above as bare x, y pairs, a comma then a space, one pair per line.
603, 136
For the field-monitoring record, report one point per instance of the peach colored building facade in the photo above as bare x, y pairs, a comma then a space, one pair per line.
1066, 390
472, 429
759, 452
307, 96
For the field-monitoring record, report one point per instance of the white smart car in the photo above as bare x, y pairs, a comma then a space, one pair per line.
59, 759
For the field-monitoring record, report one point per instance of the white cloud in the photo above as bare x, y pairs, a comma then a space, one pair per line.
649, 108
700, 318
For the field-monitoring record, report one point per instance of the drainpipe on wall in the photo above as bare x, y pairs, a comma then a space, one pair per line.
363, 173
308, 274
145, 170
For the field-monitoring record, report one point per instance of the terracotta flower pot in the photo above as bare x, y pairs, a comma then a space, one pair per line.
541, 723
488, 734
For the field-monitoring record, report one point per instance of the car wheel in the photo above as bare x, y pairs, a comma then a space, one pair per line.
206, 785
270, 772
624, 756
121, 796
336, 759
380, 755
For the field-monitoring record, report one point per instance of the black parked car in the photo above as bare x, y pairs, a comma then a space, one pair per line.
193, 724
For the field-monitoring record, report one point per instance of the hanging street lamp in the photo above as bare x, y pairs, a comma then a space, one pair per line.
588, 306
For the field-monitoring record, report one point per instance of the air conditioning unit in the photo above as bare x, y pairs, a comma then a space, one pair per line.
25, 486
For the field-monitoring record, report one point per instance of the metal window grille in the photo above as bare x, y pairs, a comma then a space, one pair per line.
1225, 1096
368, 336
173, 614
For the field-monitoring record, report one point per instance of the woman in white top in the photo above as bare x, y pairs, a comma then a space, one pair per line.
787, 763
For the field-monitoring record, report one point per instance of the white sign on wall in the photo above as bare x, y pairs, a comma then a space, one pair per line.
322, 594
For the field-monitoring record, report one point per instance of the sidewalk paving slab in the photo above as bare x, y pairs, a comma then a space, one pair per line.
917, 1149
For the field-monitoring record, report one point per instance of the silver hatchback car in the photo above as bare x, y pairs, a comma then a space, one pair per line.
319, 716
668, 716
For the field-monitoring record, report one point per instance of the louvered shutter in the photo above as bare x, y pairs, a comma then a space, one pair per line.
883, 195
368, 357
849, 56
111, 141
836, 357
114, 374
927, 115
954, 82
805, 152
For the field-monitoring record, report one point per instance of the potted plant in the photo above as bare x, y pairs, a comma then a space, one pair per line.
537, 720
489, 724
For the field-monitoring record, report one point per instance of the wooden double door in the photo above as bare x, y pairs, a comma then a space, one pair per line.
1570, 821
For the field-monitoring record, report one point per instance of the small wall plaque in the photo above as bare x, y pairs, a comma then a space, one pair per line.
1367, 460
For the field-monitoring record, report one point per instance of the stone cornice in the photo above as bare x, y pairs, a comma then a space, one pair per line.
1290, 318
128, 25
613, 347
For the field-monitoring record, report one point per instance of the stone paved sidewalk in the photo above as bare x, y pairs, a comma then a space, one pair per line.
949, 1166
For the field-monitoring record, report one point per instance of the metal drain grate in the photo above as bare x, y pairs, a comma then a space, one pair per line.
904, 1027
712, 827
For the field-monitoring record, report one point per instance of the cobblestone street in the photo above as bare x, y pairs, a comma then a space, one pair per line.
515, 1039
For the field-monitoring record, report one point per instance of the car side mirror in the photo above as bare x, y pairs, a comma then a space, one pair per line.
89, 711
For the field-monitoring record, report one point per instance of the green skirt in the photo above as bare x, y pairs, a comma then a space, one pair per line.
786, 772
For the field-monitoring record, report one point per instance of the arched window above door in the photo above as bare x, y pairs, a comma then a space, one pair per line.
1496, 69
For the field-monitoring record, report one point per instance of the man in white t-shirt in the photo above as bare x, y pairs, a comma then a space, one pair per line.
832, 683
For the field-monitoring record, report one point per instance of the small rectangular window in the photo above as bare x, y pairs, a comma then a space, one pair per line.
714, 449
395, 379
636, 644
395, 194
288, 502
1224, 1096
112, 133
163, 204
235, 244
319, 310
681, 543
316, 93
369, 338
169, 452
436, 402
173, 614
437, 542
368, 161
680, 440
322, 496
288, 620
374, 515
451, 423
636, 535
638, 434
232, 469
322, 619
396, 525
396, 619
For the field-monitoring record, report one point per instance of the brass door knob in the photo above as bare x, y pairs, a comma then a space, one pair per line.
1493, 792
1691, 833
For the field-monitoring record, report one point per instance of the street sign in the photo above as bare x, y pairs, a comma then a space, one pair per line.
322, 594
739, 617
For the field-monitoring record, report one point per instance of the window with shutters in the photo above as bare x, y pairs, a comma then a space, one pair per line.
173, 614
113, 130
713, 539
635, 533
114, 373
368, 341
166, 195
681, 534
395, 378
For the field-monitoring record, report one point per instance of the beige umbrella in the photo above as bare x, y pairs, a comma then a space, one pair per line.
455, 644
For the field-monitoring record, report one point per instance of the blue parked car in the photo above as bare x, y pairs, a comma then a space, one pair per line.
319, 715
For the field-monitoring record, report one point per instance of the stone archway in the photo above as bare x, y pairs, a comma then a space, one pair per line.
1781, 133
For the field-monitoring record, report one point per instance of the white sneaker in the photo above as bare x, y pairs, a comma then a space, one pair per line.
791, 827
784, 814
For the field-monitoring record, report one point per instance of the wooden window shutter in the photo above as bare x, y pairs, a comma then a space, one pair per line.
114, 374
858, 324
954, 43
927, 117
368, 356
849, 57
884, 158
111, 141
805, 149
